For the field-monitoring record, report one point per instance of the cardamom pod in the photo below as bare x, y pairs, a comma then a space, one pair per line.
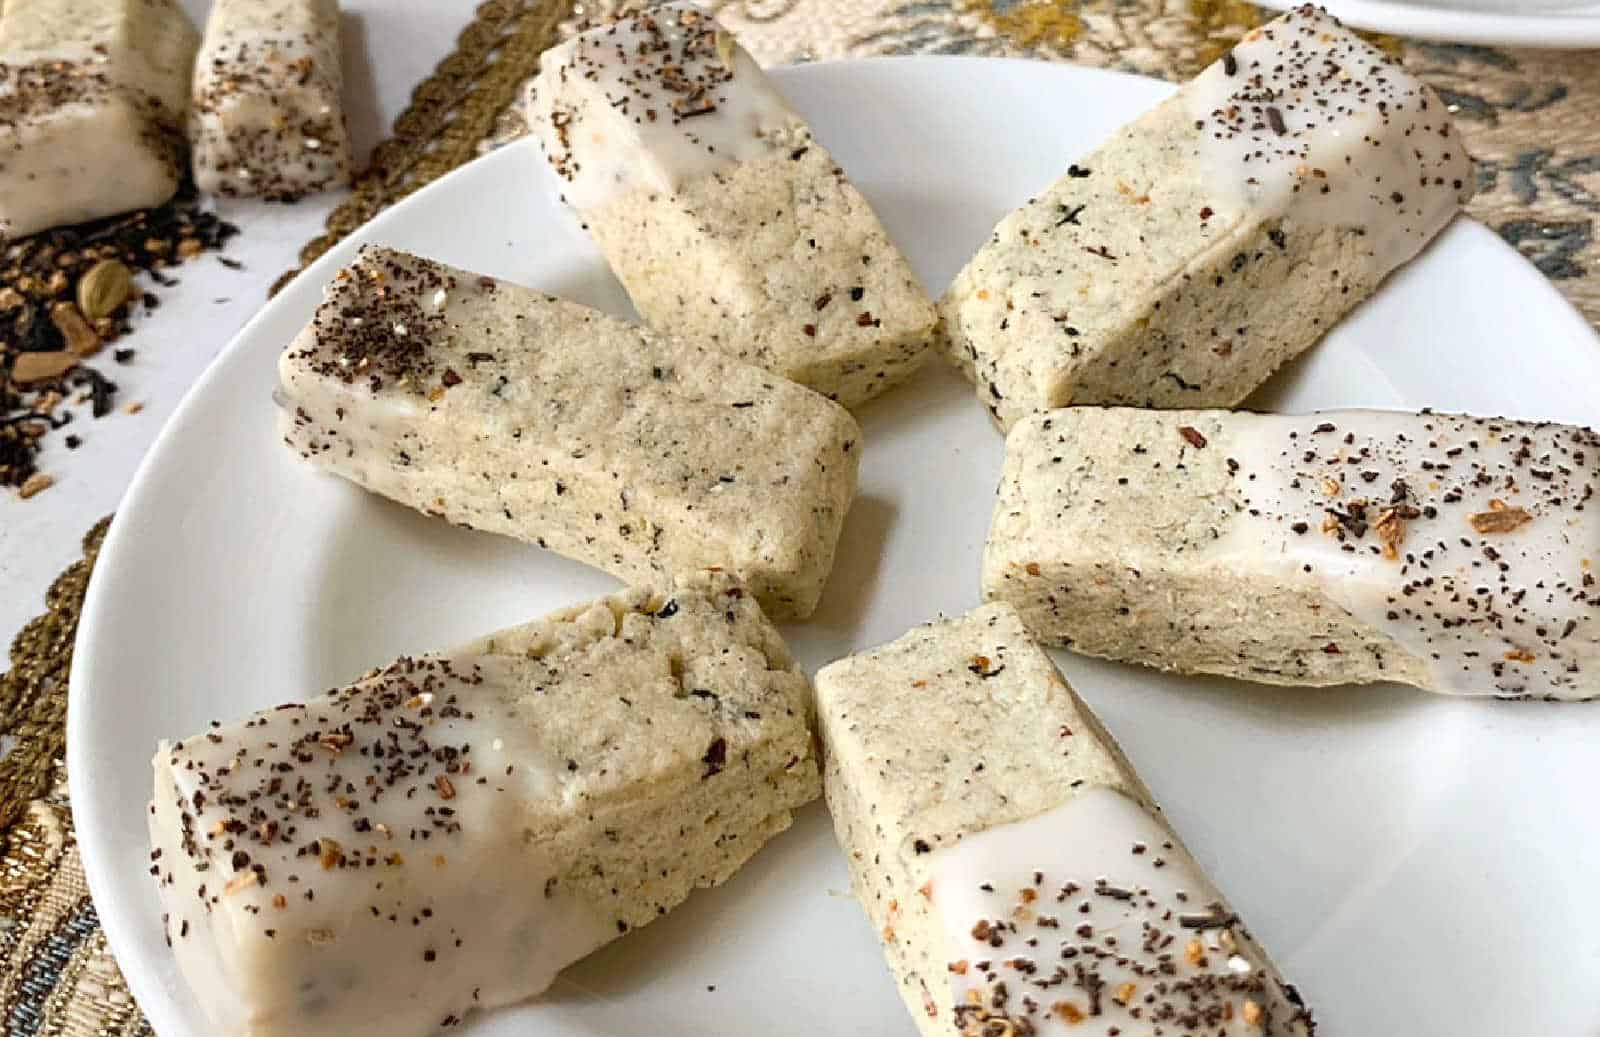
105, 287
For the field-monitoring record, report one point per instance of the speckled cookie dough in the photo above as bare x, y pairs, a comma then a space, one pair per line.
720, 213
1216, 237
267, 119
1453, 553
503, 409
451, 831
92, 101
1011, 861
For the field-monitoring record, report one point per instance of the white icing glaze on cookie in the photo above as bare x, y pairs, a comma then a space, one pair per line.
1469, 541
359, 862
1090, 919
651, 102
1304, 116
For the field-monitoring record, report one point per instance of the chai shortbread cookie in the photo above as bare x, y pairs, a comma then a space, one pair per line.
452, 830
92, 101
1453, 553
719, 211
503, 409
267, 120
1220, 234
1012, 863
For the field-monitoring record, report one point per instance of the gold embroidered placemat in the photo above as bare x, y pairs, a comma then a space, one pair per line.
1531, 119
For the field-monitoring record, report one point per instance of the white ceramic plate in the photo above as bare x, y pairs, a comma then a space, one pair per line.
1566, 24
1419, 865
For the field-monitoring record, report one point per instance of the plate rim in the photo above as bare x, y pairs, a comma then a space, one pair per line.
98, 861
1554, 31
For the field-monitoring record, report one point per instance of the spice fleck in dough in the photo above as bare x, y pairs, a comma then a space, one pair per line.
1216, 237
267, 119
1452, 553
720, 213
92, 101
1011, 861
451, 831
502, 409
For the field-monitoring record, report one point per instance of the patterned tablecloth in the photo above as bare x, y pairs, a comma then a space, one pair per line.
1531, 119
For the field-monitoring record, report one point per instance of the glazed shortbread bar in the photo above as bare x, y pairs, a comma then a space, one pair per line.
92, 102
1012, 863
1453, 553
504, 409
267, 119
1217, 236
451, 831
721, 214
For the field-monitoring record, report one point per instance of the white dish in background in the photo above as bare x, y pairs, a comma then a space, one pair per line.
1419, 865
1550, 24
